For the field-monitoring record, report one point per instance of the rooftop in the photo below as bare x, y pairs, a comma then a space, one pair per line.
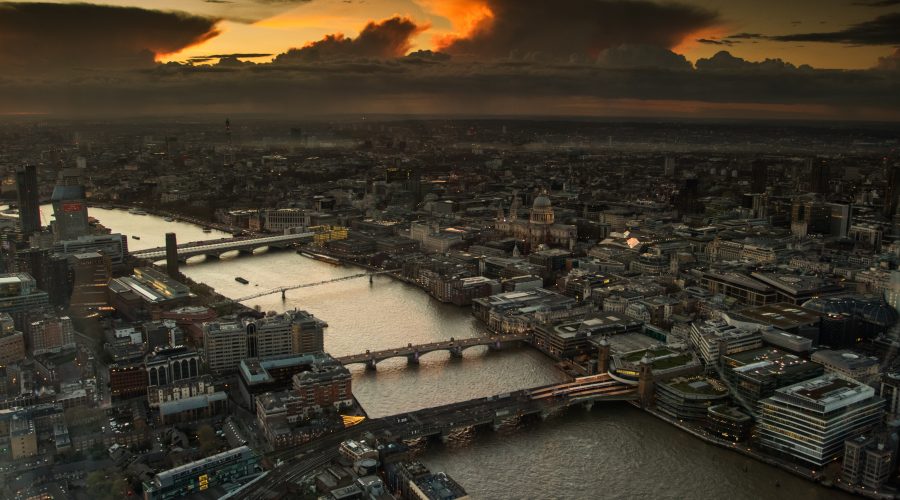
662, 358
440, 486
191, 403
781, 315
797, 284
718, 328
844, 359
703, 386
729, 412
826, 393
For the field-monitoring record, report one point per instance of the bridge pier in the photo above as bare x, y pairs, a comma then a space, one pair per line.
505, 423
456, 352
413, 359
545, 414
588, 405
496, 346
371, 365
283, 296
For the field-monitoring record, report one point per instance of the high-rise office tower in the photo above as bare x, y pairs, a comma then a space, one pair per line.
669, 167
171, 255
29, 202
818, 175
92, 272
687, 199
50, 271
892, 191
760, 173
69, 206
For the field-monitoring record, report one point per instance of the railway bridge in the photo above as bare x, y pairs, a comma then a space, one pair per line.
493, 412
215, 248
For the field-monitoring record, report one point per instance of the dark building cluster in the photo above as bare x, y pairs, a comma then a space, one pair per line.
739, 281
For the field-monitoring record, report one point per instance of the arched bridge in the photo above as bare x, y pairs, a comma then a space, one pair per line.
412, 353
215, 248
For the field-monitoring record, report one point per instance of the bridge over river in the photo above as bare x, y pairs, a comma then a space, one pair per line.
412, 353
494, 412
215, 248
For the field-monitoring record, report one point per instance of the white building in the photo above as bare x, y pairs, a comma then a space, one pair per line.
277, 220
848, 364
810, 420
715, 338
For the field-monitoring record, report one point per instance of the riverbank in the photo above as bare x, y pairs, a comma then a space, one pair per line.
174, 215
207, 295
799, 471
807, 474
378, 391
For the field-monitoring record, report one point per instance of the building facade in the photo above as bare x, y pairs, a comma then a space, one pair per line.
541, 229
20, 297
195, 477
12, 342
229, 341
809, 421
51, 334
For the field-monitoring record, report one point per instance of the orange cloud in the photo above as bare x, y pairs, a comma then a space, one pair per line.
466, 16
570, 28
162, 53
690, 40
384, 39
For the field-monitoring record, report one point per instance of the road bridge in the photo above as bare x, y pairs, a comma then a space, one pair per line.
215, 248
413, 353
494, 412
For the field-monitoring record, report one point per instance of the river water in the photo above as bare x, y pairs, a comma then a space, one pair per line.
614, 451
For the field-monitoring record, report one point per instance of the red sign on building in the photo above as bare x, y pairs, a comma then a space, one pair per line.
72, 206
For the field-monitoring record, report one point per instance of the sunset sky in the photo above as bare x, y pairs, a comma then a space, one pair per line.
801, 58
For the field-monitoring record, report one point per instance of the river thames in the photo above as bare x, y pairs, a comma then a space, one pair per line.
613, 451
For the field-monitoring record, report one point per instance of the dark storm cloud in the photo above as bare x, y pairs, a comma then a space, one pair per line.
890, 62
746, 36
883, 30
724, 61
877, 3
385, 39
238, 55
712, 41
642, 56
47, 37
364, 85
426, 57
529, 28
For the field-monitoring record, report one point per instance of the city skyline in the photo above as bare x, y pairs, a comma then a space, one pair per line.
835, 60
449, 249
